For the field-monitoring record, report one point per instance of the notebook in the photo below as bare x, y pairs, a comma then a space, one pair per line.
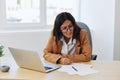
31, 60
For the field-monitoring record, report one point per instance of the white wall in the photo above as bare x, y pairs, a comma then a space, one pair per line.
32, 40
99, 16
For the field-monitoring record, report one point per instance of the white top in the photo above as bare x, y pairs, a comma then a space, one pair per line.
68, 48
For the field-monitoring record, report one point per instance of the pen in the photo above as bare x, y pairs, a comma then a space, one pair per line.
74, 68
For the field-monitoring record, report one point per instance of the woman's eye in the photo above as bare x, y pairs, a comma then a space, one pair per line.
65, 28
70, 26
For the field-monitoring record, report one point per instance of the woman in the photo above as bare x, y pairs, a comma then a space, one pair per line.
68, 43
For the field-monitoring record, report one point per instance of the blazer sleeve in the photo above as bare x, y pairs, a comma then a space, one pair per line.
49, 53
84, 50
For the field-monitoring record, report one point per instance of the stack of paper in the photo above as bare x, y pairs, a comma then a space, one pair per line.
77, 68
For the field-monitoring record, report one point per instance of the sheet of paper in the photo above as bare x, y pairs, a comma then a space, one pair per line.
80, 69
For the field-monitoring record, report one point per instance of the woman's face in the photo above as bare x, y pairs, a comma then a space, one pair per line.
67, 29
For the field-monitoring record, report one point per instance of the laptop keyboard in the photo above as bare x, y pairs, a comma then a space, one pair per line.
47, 68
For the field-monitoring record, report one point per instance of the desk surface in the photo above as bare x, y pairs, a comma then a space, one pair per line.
108, 70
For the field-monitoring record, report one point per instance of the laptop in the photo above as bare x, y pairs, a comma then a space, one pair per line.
31, 60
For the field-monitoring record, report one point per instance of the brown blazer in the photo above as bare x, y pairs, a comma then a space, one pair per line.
82, 49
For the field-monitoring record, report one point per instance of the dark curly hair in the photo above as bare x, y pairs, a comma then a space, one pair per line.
60, 20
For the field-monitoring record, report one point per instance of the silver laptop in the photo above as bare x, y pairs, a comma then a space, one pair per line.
31, 60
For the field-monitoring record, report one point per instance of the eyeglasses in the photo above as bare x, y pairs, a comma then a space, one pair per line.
70, 27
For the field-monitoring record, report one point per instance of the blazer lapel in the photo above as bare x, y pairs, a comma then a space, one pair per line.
57, 48
60, 43
77, 47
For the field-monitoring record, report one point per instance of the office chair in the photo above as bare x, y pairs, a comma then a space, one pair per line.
84, 26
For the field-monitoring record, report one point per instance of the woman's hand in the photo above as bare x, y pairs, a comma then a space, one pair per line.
65, 61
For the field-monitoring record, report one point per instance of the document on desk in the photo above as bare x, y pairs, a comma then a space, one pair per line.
77, 68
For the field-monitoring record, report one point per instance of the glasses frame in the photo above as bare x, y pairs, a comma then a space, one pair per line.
70, 27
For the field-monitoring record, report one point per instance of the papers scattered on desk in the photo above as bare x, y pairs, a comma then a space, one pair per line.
76, 68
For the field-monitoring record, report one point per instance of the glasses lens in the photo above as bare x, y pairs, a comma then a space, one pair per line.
66, 29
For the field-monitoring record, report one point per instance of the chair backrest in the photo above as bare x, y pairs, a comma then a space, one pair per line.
84, 26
